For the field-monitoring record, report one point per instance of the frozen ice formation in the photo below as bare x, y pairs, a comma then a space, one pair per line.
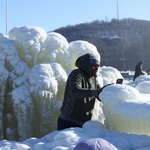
34, 66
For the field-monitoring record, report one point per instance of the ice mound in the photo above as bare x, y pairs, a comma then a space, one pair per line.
55, 50
34, 69
29, 41
44, 80
3, 82
125, 109
24, 112
109, 74
78, 48
144, 87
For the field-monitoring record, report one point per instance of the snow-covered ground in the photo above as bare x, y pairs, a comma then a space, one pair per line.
34, 67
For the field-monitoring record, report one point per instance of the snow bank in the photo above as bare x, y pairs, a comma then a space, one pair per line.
125, 109
67, 139
109, 75
142, 84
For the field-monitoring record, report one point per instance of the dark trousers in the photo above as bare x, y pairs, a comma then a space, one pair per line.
63, 124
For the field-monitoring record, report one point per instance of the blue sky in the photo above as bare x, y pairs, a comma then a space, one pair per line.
53, 14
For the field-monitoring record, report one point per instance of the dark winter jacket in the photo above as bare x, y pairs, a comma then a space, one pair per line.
80, 93
138, 70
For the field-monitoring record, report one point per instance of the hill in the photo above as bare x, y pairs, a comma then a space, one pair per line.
121, 43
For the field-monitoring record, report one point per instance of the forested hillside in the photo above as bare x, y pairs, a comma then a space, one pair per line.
121, 43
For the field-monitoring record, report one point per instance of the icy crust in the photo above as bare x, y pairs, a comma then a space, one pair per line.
3, 82
19, 75
45, 82
125, 109
144, 87
17, 112
3, 37
78, 48
109, 74
36, 46
143, 84
44, 88
20, 108
24, 112
29, 41
132, 116
61, 77
56, 50
37, 85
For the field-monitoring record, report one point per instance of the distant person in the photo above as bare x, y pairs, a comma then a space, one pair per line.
82, 89
148, 71
138, 70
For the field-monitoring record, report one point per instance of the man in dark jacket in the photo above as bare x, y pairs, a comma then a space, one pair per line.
138, 70
81, 91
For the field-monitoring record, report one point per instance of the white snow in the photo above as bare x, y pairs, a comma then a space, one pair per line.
34, 67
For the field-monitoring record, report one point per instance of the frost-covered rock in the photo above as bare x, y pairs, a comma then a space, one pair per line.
55, 50
141, 83
125, 109
3, 37
109, 74
144, 87
78, 48
61, 77
24, 110
38, 62
3, 82
29, 41
44, 80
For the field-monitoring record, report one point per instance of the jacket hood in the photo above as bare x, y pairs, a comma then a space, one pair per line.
83, 63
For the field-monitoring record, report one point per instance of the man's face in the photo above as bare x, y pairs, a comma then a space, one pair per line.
94, 69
